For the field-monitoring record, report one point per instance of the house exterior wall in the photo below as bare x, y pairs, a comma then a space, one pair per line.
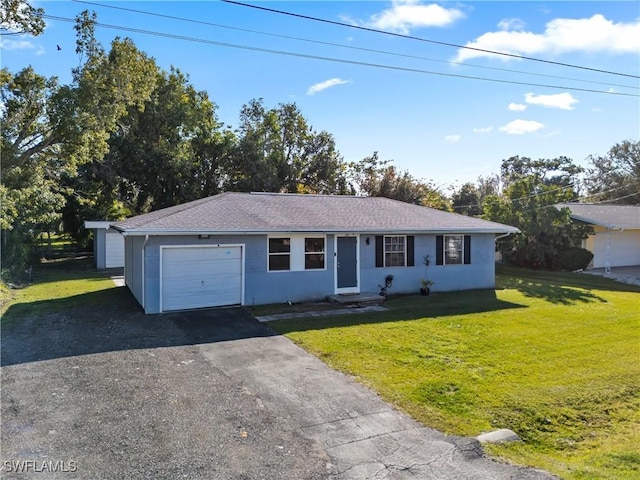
99, 235
480, 273
113, 249
134, 267
624, 247
263, 287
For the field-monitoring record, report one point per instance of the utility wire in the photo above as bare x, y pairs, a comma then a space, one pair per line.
420, 39
336, 60
351, 47
562, 188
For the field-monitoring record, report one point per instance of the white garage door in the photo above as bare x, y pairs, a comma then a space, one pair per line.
197, 277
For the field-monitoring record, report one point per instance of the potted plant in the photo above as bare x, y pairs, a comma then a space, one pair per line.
425, 282
426, 286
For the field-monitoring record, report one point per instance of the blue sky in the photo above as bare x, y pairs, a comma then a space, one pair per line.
439, 127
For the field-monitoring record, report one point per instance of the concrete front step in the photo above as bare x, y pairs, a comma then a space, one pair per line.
356, 299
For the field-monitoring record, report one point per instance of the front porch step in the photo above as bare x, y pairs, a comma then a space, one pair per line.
356, 299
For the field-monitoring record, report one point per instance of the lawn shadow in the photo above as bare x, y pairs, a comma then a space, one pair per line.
560, 288
407, 307
111, 320
557, 294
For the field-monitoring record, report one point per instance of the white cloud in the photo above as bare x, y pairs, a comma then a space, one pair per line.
563, 101
518, 127
517, 107
561, 35
482, 130
453, 138
511, 24
332, 82
407, 14
11, 44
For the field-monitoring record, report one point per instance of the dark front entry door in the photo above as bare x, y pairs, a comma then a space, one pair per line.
347, 273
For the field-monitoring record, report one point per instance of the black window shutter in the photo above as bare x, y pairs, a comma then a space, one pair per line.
467, 249
411, 261
379, 251
439, 246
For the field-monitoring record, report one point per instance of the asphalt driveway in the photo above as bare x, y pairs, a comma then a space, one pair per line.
209, 394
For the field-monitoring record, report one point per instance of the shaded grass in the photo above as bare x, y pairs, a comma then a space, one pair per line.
554, 357
65, 281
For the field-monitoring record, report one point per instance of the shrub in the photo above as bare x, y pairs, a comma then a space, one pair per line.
572, 259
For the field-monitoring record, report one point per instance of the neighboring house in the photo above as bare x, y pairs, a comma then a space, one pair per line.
616, 238
261, 248
108, 245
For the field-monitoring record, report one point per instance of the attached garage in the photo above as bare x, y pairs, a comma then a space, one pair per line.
200, 276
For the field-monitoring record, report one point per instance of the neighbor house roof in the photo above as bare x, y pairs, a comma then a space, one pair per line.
232, 212
608, 216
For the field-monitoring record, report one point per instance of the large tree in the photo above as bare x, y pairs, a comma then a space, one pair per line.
50, 130
531, 190
278, 151
380, 178
171, 152
615, 177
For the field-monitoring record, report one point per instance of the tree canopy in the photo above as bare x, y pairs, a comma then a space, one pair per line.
531, 189
615, 177
126, 137
18, 17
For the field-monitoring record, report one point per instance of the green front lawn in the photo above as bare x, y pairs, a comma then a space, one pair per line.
55, 286
554, 357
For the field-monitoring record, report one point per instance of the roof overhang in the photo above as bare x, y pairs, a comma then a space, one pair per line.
591, 221
395, 231
97, 224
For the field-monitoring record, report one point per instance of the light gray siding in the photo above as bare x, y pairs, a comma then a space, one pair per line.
263, 287
134, 268
99, 235
480, 273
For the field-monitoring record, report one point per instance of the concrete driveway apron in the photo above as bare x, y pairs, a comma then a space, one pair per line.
364, 437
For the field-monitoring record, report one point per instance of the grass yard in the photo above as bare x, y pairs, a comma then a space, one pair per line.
554, 357
55, 286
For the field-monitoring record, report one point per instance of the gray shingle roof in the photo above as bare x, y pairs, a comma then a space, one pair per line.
608, 216
274, 212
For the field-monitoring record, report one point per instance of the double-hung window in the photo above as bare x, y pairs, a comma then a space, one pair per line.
395, 251
279, 254
314, 253
453, 249
297, 252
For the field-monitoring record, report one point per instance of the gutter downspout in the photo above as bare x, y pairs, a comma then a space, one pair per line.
144, 290
607, 267
498, 238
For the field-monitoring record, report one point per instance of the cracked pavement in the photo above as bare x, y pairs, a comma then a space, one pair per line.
207, 394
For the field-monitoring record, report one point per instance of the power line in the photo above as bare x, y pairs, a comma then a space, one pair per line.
521, 198
351, 47
563, 188
420, 39
337, 60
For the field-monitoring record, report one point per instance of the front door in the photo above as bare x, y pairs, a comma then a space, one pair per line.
347, 265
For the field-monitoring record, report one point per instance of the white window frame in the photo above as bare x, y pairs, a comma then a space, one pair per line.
445, 250
323, 252
278, 254
384, 251
297, 253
